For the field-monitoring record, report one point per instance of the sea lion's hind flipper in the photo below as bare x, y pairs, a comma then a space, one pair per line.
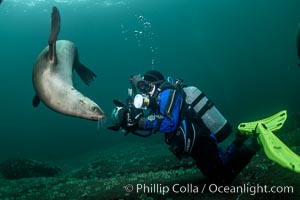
85, 73
55, 27
36, 101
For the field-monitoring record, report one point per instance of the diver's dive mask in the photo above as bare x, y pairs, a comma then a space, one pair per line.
138, 82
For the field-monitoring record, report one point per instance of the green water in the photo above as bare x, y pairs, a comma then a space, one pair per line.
242, 54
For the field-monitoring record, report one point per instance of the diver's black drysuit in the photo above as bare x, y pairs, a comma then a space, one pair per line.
194, 127
217, 165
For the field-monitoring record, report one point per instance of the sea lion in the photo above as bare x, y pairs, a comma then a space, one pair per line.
52, 77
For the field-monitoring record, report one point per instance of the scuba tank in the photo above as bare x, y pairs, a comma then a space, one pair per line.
199, 107
200, 110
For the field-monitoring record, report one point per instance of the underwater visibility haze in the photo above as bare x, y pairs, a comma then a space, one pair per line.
241, 54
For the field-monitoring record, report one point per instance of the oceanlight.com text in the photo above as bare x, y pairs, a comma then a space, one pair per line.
208, 188
250, 189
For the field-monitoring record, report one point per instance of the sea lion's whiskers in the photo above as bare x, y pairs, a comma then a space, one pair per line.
98, 125
101, 121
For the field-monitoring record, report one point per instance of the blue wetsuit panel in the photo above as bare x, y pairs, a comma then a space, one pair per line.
167, 124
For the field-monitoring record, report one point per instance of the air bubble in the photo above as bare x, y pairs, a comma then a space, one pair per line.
141, 18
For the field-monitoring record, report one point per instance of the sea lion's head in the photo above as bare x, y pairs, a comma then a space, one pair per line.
88, 109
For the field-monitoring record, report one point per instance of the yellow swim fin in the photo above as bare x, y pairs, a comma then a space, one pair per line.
276, 150
273, 123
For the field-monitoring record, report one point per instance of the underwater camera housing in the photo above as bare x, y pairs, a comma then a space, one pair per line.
130, 112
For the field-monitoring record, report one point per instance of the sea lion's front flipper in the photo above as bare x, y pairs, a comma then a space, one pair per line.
85, 73
36, 101
55, 26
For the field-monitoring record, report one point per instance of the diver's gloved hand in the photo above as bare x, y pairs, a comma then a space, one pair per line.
130, 118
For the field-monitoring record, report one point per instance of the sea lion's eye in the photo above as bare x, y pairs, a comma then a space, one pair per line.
95, 109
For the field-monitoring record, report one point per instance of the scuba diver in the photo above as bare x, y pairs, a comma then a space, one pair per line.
193, 126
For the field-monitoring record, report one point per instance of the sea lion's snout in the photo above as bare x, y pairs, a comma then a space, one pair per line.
88, 109
98, 113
